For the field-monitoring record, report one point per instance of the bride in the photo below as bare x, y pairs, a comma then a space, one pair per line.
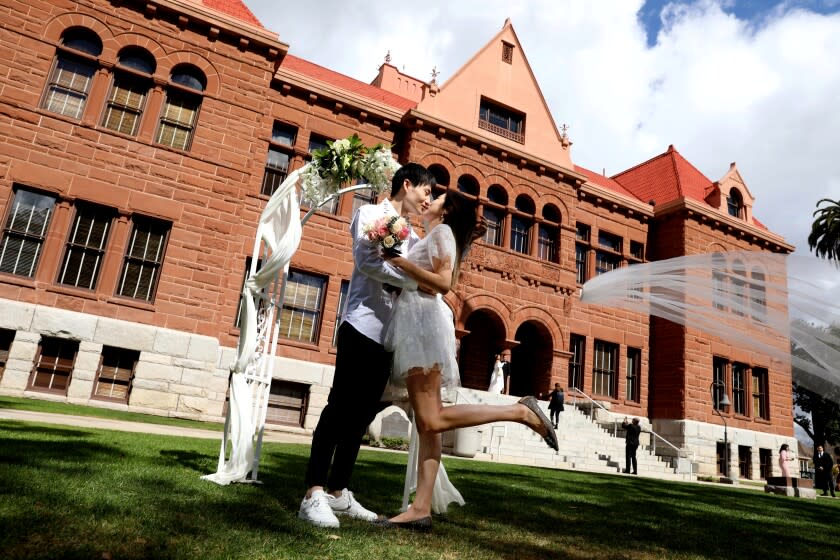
497, 377
422, 336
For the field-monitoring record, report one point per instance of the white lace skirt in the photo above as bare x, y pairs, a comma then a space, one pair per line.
421, 334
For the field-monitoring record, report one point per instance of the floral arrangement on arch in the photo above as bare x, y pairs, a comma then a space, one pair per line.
343, 162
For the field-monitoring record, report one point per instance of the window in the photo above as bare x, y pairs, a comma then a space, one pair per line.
500, 120
287, 403
719, 281
362, 197
739, 381
342, 303
302, 304
72, 73
7, 336
86, 246
520, 225
739, 288
735, 204
279, 155
547, 243
495, 222
719, 381
128, 93
468, 185
577, 344
634, 374
24, 233
315, 143
507, 52
637, 250
609, 241
603, 371
605, 262
520, 234
582, 235
54, 364
760, 405
765, 463
116, 371
758, 296
180, 110
441, 176
143, 259
744, 461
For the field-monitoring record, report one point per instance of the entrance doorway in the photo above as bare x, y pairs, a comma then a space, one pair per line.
475, 358
531, 360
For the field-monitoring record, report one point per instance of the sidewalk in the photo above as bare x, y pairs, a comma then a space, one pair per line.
139, 427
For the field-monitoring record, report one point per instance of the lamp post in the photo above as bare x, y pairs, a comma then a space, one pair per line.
723, 402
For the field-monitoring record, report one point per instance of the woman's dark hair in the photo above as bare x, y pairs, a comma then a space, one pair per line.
784, 447
459, 213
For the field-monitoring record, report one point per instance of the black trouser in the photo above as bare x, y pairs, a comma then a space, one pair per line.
630, 457
362, 368
824, 484
555, 415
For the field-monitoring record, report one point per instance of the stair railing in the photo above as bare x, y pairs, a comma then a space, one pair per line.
680, 453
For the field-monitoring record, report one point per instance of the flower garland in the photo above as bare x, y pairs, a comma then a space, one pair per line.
343, 162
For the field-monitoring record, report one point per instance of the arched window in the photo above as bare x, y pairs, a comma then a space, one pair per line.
521, 224
441, 176
180, 110
735, 204
132, 81
758, 295
468, 185
72, 73
494, 214
739, 288
719, 281
548, 236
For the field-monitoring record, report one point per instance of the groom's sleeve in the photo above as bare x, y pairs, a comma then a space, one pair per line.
370, 262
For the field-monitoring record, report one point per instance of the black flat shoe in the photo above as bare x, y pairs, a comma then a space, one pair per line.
550, 437
422, 525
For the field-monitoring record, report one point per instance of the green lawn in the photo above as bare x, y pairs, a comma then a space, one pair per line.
38, 405
94, 494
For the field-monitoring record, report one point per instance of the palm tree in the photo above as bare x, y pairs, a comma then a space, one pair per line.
824, 239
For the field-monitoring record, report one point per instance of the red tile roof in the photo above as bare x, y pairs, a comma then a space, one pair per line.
664, 178
604, 181
235, 8
301, 66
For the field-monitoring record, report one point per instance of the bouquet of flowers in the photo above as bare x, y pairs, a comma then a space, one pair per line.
388, 232
343, 162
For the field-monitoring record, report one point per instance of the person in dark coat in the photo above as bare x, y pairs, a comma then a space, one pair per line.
822, 471
555, 403
631, 444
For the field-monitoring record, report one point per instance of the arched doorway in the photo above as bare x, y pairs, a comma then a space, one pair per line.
475, 357
531, 360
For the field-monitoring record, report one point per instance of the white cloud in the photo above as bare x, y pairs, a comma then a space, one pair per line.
763, 93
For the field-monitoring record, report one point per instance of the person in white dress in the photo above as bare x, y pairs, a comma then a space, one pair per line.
497, 377
421, 334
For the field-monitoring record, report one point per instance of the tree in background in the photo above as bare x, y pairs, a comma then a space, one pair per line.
824, 239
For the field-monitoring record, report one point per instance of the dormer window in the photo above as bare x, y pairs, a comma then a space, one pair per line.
735, 204
502, 121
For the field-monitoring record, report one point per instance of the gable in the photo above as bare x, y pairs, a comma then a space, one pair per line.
506, 83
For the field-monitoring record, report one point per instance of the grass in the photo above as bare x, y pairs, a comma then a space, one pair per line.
37, 405
97, 494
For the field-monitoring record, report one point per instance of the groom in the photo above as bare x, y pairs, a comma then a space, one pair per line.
362, 366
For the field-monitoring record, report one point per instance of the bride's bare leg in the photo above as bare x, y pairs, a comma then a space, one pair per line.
424, 395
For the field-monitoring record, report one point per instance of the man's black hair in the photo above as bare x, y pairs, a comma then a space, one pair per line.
416, 175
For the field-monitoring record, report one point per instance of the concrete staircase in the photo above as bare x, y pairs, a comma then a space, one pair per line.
584, 445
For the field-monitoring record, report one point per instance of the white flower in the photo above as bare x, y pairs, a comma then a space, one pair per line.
341, 145
398, 225
389, 241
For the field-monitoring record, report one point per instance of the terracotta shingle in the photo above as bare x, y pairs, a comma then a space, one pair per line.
664, 178
604, 181
301, 66
234, 8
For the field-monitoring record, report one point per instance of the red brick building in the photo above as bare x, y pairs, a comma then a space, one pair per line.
139, 142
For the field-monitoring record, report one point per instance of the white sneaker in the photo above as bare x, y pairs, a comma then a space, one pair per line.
317, 511
347, 505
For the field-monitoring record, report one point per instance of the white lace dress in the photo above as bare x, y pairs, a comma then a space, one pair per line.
497, 379
421, 331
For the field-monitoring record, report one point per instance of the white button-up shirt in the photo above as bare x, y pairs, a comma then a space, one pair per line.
368, 305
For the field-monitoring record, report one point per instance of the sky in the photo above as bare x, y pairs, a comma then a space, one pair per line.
747, 81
